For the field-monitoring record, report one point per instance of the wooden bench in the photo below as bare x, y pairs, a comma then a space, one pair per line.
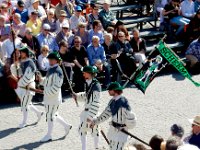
149, 33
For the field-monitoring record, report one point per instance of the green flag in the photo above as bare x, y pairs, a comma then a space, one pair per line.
174, 60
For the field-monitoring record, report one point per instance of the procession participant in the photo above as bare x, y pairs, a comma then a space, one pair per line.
122, 117
91, 97
27, 80
52, 95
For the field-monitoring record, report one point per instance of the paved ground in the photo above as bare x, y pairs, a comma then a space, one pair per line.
169, 99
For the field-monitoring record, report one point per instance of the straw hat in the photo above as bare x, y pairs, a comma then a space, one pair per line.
195, 121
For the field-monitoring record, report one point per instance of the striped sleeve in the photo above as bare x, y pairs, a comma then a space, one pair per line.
106, 114
130, 120
95, 104
25, 79
55, 87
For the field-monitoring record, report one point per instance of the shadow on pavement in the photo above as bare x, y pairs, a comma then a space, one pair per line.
36, 144
7, 132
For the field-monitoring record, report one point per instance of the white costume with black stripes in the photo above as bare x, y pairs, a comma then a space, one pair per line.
122, 116
28, 69
53, 98
91, 99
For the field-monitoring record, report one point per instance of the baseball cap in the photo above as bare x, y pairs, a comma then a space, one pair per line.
78, 8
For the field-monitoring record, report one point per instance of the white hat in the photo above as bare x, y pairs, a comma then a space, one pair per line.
34, 1
65, 25
195, 121
188, 147
46, 26
107, 2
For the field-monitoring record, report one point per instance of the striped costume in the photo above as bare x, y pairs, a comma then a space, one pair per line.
122, 116
52, 99
91, 97
28, 70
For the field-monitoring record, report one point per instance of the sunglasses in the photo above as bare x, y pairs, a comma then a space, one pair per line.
65, 28
120, 36
77, 42
45, 50
30, 33
51, 14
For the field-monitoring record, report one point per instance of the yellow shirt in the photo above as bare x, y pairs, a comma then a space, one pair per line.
36, 27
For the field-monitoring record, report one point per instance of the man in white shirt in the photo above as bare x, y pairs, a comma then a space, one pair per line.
187, 9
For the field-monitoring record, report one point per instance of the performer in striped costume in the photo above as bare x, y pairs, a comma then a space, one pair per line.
52, 95
91, 98
27, 80
122, 117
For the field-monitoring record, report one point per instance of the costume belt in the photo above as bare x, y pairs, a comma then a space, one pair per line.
117, 125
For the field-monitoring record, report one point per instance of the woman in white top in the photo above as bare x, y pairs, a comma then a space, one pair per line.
43, 62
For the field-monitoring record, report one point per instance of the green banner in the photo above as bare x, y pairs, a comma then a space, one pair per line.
174, 60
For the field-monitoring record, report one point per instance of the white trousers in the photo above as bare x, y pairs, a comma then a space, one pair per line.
140, 57
115, 145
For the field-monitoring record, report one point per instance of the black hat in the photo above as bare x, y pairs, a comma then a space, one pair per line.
54, 55
20, 3
90, 69
25, 50
115, 86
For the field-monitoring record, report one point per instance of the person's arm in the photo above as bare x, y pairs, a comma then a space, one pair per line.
103, 55
25, 79
56, 47
56, 85
44, 15
89, 52
130, 121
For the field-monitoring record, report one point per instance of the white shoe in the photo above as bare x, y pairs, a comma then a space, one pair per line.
46, 138
22, 125
67, 129
39, 116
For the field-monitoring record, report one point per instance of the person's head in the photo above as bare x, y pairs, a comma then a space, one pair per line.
77, 41
155, 142
65, 27
95, 9
96, 25
20, 5
108, 38
195, 125
119, 25
115, 89
121, 36
4, 8
54, 58
78, 10
177, 130
45, 50
136, 33
50, 13
81, 27
95, 41
63, 15
46, 29
34, 15
35, 3
63, 2
63, 45
89, 72
28, 33
106, 5
173, 143
175, 2
2, 20
17, 18
110, 30
24, 52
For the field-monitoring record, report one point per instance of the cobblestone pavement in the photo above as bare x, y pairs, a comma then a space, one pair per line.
169, 99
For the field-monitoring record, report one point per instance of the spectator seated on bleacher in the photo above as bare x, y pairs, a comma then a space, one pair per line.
61, 20
4, 29
34, 23
83, 34
65, 34
18, 26
193, 29
119, 26
43, 62
31, 41
97, 57
96, 31
76, 18
46, 38
138, 45
93, 16
193, 53
106, 15
37, 7
122, 52
4, 12
51, 20
106, 45
187, 9
22, 11
171, 13
66, 6
196, 5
